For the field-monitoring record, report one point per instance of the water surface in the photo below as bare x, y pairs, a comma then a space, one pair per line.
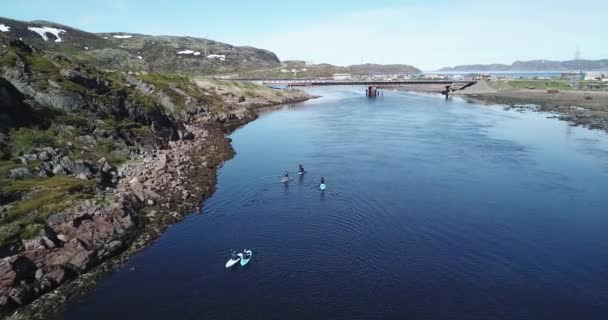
434, 210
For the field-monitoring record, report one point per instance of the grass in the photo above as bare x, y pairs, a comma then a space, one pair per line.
46, 196
41, 64
540, 84
9, 58
167, 82
26, 140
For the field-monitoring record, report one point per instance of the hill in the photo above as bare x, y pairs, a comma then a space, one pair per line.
296, 69
535, 65
137, 52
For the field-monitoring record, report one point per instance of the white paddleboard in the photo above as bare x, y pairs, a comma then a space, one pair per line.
232, 262
322, 186
286, 179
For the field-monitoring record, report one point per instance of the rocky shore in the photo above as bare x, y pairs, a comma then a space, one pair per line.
580, 108
157, 188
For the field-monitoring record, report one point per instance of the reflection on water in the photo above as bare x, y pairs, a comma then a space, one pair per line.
434, 210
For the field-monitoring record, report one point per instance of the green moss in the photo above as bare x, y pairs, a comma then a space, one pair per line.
41, 64
8, 59
9, 232
31, 231
62, 183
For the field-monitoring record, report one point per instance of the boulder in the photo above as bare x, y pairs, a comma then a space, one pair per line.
47, 154
20, 173
58, 274
49, 237
29, 157
16, 269
58, 169
79, 168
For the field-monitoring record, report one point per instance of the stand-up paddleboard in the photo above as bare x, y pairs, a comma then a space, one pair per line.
301, 172
245, 259
322, 186
286, 179
233, 262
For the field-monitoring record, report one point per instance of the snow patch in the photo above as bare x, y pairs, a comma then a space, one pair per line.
217, 56
122, 36
44, 30
4, 28
196, 53
106, 38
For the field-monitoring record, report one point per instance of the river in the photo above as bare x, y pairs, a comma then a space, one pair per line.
434, 210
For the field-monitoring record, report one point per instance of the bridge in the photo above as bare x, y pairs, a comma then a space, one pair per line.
318, 82
450, 85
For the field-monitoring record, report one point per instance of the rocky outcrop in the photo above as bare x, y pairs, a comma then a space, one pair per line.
152, 193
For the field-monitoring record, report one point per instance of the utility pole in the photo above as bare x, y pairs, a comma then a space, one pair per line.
577, 53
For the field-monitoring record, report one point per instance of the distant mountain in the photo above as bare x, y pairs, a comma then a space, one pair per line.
137, 52
375, 69
298, 69
535, 65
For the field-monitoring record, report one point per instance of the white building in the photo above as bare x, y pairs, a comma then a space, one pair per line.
343, 76
596, 75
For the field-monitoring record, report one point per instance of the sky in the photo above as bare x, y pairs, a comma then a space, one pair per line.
427, 34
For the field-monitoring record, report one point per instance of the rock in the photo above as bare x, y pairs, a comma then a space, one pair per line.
185, 135
7, 274
138, 190
150, 202
99, 85
39, 274
58, 274
16, 269
82, 176
11, 249
63, 238
20, 295
49, 237
104, 166
79, 168
44, 156
20, 173
80, 218
47, 154
6, 208
58, 169
29, 157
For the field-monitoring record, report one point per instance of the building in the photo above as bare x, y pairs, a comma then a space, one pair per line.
573, 75
596, 76
342, 76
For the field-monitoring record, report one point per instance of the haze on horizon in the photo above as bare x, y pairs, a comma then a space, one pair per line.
426, 34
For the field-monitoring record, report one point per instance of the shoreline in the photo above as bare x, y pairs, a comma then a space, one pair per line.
580, 108
158, 191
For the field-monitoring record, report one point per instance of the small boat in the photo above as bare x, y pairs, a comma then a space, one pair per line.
246, 257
